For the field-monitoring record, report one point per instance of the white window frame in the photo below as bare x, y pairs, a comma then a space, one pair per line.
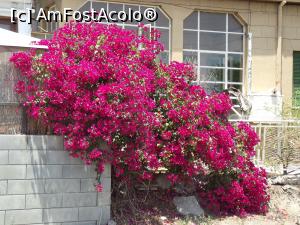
226, 83
123, 24
52, 26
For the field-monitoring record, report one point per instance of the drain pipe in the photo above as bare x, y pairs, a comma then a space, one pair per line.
279, 49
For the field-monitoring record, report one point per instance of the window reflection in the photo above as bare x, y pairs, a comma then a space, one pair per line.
162, 23
214, 43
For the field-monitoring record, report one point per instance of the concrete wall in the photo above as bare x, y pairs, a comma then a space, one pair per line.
40, 184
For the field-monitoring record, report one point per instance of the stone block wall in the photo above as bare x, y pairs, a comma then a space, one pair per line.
41, 184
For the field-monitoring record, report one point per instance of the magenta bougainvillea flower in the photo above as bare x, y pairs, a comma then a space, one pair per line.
99, 83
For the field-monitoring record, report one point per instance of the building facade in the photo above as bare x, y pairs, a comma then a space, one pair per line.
253, 46
5, 15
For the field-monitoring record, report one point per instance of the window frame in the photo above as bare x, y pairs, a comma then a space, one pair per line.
124, 24
226, 53
49, 27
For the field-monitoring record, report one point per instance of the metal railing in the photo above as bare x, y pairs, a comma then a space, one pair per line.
41, 32
279, 141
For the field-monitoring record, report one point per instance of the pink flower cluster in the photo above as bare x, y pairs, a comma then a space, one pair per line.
233, 192
100, 83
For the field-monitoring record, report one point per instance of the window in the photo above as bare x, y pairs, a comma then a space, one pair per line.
53, 25
214, 43
162, 23
296, 79
45, 29
6, 24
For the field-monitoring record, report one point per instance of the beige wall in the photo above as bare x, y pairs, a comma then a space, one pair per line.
261, 20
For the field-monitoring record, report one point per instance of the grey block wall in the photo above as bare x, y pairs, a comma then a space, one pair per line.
41, 184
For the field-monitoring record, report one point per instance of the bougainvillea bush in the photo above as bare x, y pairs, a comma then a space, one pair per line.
99, 83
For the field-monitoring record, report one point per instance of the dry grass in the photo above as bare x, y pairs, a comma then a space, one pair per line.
131, 206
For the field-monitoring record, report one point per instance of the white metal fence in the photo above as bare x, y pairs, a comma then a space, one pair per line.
279, 142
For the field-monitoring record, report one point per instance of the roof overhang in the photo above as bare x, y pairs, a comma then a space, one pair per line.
10, 39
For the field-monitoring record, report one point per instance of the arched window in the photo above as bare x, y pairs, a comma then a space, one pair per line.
214, 43
162, 23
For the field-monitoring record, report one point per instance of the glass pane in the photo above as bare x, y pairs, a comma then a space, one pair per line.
190, 57
234, 25
162, 20
133, 8
164, 38
211, 74
212, 59
144, 21
85, 7
213, 21
99, 5
133, 28
235, 75
190, 40
235, 86
212, 41
235, 43
117, 8
235, 61
191, 22
212, 87
164, 57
